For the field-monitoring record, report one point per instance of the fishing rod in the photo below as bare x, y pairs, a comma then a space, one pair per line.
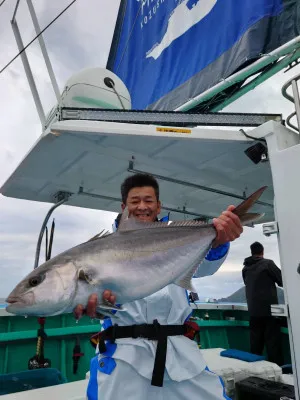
38, 360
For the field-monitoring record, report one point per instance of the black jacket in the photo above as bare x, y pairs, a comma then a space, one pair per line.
260, 276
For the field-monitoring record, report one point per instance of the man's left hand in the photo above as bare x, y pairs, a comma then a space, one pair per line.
228, 227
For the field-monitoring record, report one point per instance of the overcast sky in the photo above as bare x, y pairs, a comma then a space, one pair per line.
81, 38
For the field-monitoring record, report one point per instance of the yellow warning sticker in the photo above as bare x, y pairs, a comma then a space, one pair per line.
175, 130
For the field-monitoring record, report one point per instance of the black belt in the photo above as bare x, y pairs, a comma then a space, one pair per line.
153, 331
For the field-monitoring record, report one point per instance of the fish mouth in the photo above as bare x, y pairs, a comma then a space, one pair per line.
14, 300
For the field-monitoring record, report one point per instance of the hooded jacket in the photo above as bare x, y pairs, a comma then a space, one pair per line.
260, 276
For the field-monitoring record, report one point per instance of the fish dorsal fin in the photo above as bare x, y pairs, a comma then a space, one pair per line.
124, 218
189, 223
131, 224
100, 235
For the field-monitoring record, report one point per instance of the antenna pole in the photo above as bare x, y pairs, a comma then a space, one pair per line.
27, 68
43, 49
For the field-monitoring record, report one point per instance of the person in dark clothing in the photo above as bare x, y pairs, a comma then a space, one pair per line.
260, 276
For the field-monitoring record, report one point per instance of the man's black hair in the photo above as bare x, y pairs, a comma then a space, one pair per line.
257, 249
138, 180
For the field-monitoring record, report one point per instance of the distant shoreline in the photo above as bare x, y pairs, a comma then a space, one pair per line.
240, 296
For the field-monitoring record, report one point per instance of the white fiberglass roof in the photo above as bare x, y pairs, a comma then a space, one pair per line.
95, 156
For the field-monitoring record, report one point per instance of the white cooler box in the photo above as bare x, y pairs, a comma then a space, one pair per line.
232, 370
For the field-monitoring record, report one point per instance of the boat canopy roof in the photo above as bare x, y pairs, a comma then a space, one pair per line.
200, 170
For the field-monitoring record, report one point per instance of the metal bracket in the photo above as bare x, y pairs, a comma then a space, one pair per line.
279, 310
59, 196
270, 228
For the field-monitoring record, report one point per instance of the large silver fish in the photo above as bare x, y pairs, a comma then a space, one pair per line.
134, 262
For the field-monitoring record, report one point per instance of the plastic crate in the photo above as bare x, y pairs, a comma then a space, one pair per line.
27, 380
254, 388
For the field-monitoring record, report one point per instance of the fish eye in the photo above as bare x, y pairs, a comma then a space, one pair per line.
36, 280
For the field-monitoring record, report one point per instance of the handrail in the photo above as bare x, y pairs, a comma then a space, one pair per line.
294, 99
51, 332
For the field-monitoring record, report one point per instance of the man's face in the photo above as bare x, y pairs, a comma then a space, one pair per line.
142, 204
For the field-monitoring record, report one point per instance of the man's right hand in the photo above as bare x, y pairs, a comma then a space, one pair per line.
91, 307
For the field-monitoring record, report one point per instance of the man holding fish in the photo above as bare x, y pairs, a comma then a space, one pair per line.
146, 266
186, 374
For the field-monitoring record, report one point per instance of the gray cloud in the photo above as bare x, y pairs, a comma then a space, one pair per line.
20, 226
71, 43
221, 284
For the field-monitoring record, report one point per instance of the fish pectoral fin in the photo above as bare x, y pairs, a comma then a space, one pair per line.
185, 284
104, 313
186, 281
87, 277
107, 306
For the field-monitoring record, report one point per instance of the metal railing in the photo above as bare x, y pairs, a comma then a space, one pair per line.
294, 98
26, 64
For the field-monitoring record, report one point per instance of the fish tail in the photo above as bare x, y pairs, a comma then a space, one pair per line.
241, 209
